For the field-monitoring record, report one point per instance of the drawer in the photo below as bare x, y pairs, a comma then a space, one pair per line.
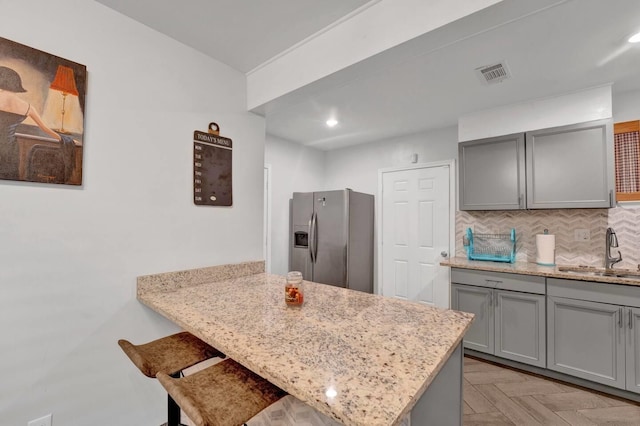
500, 280
616, 294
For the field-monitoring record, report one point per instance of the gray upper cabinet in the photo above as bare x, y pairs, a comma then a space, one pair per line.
570, 166
561, 167
492, 174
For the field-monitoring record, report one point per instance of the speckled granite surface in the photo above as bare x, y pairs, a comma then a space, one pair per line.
169, 281
290, 411
527, 268
377, 354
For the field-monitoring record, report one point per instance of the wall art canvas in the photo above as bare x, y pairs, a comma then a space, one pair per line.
42, 109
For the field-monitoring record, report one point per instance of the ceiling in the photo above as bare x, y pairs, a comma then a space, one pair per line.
427, 82
241, 33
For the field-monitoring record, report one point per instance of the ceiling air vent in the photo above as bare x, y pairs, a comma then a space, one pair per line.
492, 74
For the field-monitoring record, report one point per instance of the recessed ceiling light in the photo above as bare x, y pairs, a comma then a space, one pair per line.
635, 38
332, 122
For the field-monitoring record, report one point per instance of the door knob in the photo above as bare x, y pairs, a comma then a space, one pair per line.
444, 254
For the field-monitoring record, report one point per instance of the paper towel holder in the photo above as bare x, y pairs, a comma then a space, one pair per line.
548, 258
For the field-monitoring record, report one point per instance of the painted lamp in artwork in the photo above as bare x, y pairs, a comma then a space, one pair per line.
65, 83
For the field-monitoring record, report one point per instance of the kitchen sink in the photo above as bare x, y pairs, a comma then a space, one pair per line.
590, 270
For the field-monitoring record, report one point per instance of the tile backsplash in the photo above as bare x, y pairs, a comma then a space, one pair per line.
562, 223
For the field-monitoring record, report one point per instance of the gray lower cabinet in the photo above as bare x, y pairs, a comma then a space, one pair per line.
592, 331
508, 324
586, 341
584, 329
478, 301
520, 327
633, 349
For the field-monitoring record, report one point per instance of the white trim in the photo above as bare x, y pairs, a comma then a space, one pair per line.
266, 232
315, 35
452, 209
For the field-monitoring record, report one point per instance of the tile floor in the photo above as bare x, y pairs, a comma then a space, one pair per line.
499, 396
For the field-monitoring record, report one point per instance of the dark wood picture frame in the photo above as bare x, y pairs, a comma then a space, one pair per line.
619, 129
42, 109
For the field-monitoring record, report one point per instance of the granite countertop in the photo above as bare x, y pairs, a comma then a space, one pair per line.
376, 354
526, 268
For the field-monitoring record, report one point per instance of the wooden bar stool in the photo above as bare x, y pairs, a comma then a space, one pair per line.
169, 355
224, 394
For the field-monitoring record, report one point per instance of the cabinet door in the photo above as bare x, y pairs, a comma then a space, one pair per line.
586, 339
492, 173
478, 301
570, 166
520, 327
633, 349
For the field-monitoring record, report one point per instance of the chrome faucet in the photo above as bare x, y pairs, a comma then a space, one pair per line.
611, 241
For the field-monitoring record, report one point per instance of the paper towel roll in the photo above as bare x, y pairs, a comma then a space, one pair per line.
546, 249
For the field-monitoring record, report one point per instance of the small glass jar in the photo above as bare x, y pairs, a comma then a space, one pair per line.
293, 293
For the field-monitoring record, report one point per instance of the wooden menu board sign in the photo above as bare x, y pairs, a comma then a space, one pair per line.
212, 168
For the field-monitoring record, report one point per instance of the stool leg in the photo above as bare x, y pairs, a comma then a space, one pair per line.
173, 410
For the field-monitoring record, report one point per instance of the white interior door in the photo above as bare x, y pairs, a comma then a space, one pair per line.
415, 233
266, 223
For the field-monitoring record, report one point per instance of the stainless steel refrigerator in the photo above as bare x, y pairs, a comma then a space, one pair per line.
332, 238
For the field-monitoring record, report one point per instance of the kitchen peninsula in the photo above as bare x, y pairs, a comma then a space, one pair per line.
359, 358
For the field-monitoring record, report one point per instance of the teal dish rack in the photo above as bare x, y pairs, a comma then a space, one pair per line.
495, 247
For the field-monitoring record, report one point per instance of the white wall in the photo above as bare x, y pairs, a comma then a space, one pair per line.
626, 106
294, 168
568, 108
69, 256
367, 32
356, 167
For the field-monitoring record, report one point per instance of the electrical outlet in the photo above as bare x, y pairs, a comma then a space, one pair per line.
42, 421
582, 235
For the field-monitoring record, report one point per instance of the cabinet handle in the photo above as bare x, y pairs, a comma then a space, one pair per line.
491, 299
630, 320
488, 281
520, 200
620, 317
611, 198
497, 299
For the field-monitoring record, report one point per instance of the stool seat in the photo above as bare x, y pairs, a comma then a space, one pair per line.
224, 394
170, 354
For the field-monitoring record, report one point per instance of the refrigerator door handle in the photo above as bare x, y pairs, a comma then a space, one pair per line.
315, 237
311, 237
313, 228
345, 275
